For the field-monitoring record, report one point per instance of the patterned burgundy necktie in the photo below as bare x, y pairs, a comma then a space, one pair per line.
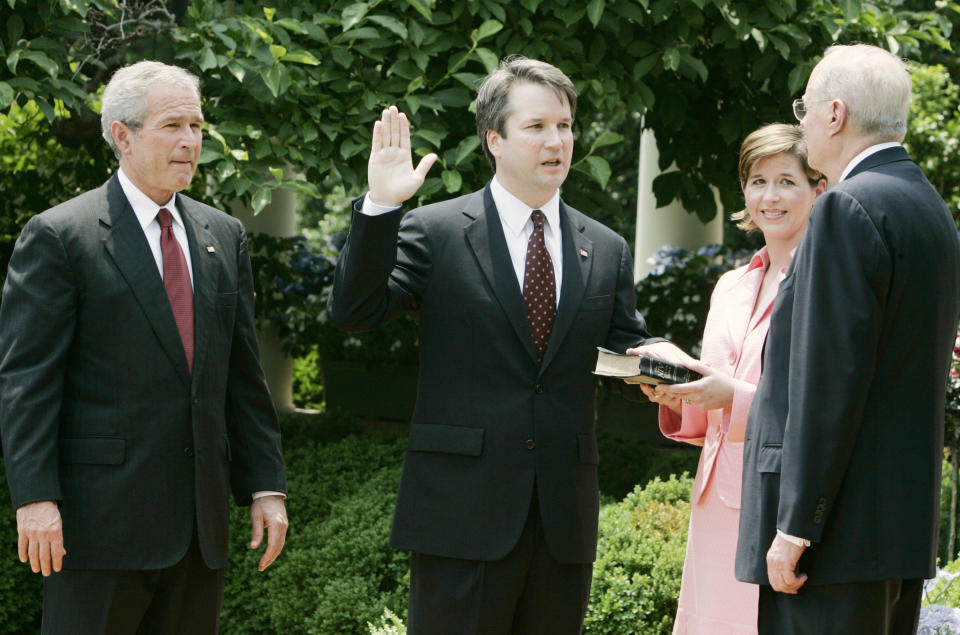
539, 286
176, 280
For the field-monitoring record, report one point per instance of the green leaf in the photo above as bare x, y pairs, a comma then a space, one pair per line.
237, 71
433, 137
452, 180
353, 14
645, 65
597, 168
224, 170
606, 138
269, 13
780, 44
41, 60
6, 95
465, 148
14, 28
271, 77
595, 11
261, 198
851, 9
277, 51
671, 59
392, 24
666, 187
207, 59
76, 6
301, 57
291, 24
646, 94
423, 8
277, 173
453, 97
698, 67
46, 109
209, 153
488, 58
485, 30
797, 78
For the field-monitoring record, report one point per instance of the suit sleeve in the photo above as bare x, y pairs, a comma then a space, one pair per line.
841, 273
382, 270
627, 326
37, 319
256, 459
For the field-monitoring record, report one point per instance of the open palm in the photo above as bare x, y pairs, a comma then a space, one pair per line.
390, 172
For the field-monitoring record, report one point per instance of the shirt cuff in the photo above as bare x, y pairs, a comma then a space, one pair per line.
369, 208
800, 542
263, 493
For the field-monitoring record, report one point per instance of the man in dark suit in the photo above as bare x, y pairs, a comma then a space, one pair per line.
131, 395
843, 447
513, 291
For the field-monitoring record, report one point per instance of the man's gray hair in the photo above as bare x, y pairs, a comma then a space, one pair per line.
493, 105
873, 83
125, 97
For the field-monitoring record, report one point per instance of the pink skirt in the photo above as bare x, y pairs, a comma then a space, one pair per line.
712, 601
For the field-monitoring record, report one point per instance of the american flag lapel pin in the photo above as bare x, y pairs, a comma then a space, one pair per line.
211, 249
583, 253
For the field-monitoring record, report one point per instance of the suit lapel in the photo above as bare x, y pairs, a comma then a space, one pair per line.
887, 155
126, 244
577, 265
485, 237
204, 278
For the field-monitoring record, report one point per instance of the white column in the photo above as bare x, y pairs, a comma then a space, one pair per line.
668, 225
279, 218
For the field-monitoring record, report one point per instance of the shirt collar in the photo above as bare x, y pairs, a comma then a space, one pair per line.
514, 213
143, 206
761, 260
863, 155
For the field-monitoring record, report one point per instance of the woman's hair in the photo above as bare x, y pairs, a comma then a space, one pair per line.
770, 140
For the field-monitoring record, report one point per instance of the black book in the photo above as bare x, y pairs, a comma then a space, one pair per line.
641, 368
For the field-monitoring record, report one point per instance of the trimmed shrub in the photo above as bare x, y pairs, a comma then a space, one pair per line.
636, 579
322, 473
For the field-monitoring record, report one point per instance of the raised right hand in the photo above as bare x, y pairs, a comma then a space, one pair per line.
40, 536
390, 173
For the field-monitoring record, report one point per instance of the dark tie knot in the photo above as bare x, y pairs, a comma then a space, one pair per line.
164, 218
538, 219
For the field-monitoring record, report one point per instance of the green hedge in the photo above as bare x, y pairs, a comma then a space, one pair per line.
337, 573
636, 579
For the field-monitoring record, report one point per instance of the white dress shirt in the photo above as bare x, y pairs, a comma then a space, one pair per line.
517, 228
146, 211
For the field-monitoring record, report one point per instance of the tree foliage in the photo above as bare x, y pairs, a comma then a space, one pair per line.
292, 88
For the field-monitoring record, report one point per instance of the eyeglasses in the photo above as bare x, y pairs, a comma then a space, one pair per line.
800, 107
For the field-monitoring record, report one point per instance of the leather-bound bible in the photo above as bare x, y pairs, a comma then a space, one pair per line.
641, 368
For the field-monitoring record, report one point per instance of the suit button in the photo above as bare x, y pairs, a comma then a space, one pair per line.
539, 388
530, 444
196, 400
188, 451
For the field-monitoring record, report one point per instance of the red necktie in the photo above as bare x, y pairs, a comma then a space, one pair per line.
539, 286
176, 280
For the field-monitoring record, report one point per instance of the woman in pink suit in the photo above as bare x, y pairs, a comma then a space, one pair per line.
779, 188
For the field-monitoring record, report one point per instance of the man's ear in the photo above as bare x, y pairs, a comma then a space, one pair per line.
493, 142
838, 116
121, 135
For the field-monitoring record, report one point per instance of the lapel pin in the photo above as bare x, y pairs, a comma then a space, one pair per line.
210, 249
583, 253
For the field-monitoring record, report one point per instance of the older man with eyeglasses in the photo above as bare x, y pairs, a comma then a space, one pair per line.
841, 462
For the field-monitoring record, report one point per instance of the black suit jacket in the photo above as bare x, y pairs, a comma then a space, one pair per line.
489, 420
97, 406
845, 435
